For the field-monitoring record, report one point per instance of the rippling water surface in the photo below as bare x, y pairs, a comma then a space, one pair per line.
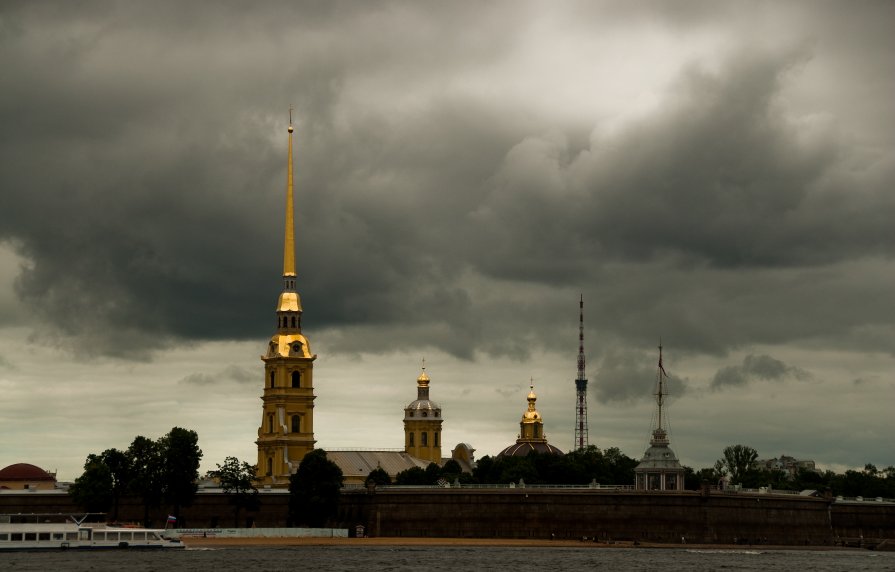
448, 558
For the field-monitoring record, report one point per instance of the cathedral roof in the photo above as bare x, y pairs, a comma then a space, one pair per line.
25, 472
658, 456
358, 464
523, 448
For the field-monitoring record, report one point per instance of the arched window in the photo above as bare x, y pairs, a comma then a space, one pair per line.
270, 423
293, 321
537, 431
296, 424
296, 379
269, 466
424, 439
273, 379
435, 438
411, 440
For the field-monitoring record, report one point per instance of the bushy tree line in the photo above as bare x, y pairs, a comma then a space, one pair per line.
577, 467
157, 471
738, 464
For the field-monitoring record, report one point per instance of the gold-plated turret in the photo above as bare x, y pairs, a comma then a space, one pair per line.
422, 423
423, 379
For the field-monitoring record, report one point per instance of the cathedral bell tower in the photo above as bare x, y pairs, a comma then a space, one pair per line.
422, 424
286, 433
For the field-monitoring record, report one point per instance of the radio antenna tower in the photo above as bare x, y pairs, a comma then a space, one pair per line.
581, 440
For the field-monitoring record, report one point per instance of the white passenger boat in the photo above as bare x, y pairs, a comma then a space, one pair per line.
40, 532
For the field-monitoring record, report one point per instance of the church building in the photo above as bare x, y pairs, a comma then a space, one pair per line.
286, 433
531, 433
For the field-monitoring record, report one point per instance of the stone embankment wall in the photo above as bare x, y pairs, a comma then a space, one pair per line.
538, 513
545, 513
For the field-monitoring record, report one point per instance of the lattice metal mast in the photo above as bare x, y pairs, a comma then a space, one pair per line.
581, 439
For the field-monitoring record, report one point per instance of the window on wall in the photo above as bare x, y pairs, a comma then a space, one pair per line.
270, 423
424, 439
410, 441
671, 482
273, 379
296, 379
269, 466
293, 321
296, 424
435, 438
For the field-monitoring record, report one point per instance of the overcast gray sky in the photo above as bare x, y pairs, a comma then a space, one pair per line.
719, 174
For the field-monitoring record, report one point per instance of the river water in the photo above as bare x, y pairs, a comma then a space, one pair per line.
317, 558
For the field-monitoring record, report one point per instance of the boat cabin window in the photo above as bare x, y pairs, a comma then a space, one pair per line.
30, 536
71, 535
16, 536
4, 536
139, 536
84, 533
43, 536
99, 536
58, 535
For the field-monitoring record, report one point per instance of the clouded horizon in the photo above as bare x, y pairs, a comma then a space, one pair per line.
719, 175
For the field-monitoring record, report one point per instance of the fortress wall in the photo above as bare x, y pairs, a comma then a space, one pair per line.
868, 519
538, 513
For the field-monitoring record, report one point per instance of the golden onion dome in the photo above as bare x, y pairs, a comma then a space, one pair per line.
531, 415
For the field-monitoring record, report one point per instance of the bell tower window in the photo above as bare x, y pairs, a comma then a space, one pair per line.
424, 439
411, 440
273, 379
293, 321
435, 438
269, 466
296, 424
296, 379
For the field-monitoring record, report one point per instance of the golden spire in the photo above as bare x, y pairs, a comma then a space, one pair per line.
289, 298
289, 246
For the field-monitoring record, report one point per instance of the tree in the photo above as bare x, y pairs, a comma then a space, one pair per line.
119, 465
738, 459
237, 479
314, 490
148, 473
378, 477
92, 491
412, 476
181, 454
451, 470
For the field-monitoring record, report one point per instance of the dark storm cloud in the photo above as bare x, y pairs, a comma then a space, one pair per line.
143, 156
627, 375
757, 367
